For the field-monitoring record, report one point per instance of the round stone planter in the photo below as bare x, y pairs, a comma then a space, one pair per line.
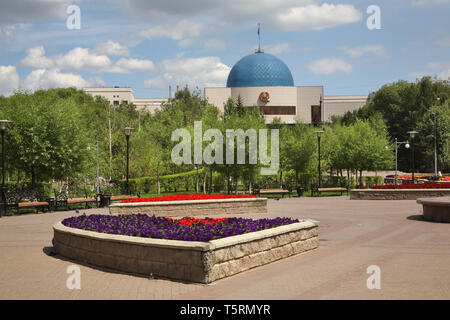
436, 209
193, 207
203, 262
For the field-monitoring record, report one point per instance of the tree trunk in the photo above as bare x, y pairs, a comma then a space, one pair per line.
204, 181
196, 180
158, 185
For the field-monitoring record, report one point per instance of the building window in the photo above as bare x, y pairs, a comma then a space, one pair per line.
278, 110
116, 102
125, 101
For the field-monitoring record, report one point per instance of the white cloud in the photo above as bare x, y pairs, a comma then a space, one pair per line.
9, 80
53, 78
83, 59
201, 72
111, 48
283, 15
429, 2
214, 44
445, 42
440, 68
315, 17
177, 31
135, 64
356, 52
278, 48
329, 66
36, 58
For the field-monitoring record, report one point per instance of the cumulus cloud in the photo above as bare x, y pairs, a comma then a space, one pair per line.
83, 59
329, 66
177, 31
283, 15
9, 80
53, 78
315, 17
111, 48
440, 68
201, 72
36, 58
135, 64
278, 48
377, 50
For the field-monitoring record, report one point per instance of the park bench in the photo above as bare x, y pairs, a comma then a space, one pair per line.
65, 199
318, 190
26, 199
258, 191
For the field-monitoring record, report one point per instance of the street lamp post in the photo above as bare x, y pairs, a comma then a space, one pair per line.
3, 124
319, 133
435, 142
128, 130
406, 143
412, 134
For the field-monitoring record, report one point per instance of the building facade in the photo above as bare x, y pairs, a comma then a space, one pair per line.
118, 95
263, 80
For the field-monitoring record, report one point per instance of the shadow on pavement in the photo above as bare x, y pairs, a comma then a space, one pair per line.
50, 251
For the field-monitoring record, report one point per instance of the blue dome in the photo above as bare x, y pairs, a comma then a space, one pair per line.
260, 70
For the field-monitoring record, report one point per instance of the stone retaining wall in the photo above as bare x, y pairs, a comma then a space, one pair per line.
193, 207
202, 262
396, 194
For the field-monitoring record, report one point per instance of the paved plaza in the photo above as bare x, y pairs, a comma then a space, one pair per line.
413, 256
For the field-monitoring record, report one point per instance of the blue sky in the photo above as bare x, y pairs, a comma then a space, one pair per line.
149, 45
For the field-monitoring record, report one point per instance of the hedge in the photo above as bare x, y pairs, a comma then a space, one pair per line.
184, 181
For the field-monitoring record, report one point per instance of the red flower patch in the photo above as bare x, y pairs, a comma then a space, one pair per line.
185, 197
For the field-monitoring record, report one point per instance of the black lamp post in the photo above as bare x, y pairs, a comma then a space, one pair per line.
412, 134
128, 130
3, 124
435, 142
319, 132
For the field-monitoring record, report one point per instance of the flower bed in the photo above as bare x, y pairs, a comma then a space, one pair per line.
188, 197
192, 205
187, 229
443, 185
198, 261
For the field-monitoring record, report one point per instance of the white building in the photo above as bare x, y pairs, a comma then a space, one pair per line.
117, 95
264, 80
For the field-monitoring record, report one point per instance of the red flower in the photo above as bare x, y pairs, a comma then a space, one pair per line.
185, 197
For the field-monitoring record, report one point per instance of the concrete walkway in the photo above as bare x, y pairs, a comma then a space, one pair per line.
413, 256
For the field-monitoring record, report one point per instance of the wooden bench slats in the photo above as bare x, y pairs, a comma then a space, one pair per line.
30, 204
122, 197
273, 191
332, 189
81, 200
